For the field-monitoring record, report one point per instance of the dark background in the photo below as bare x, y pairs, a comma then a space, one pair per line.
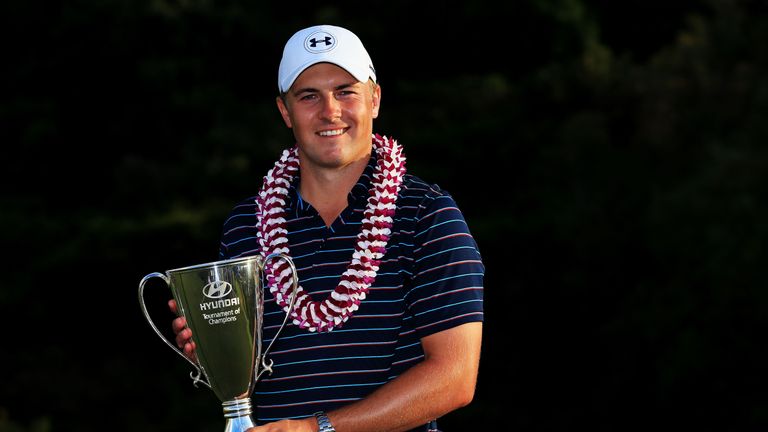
609, 156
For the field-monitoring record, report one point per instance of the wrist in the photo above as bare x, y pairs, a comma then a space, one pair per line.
323, 422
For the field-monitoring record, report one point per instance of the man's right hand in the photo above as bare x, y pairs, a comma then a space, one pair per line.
183, 333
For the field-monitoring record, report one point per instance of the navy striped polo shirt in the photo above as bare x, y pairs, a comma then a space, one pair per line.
430, 279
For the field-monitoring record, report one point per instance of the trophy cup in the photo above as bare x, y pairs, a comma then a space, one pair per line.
223, 304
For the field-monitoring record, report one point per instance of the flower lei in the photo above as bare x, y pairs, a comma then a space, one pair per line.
370, 246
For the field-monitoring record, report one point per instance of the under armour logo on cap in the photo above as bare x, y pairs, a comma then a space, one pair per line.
324, 44
320, 42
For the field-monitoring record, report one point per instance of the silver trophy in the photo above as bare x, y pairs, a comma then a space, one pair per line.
223, 304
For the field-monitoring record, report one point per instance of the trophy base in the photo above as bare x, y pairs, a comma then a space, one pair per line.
238, 415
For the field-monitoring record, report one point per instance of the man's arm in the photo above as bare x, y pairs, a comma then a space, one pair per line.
442, 382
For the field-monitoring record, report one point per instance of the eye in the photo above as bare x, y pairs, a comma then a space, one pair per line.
307, 97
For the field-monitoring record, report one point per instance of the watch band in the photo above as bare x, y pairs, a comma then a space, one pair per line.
324, 422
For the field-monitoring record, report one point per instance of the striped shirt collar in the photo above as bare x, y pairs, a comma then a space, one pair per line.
357, 197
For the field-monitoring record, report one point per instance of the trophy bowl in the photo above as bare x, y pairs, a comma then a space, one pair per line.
223, 304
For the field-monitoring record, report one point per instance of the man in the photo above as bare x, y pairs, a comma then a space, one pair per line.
387, 327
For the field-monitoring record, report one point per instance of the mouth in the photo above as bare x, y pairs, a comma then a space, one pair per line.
332, 132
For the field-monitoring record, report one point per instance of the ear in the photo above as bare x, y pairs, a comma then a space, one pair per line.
376, 100
284, 111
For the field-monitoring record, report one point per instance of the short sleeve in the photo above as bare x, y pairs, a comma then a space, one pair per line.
238, 233
447, 281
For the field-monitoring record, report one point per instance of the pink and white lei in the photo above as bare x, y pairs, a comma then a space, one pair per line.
370, 246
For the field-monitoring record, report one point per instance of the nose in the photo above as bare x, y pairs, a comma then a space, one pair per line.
331, 109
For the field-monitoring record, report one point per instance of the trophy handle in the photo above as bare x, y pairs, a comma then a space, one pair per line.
266, 364
195, 376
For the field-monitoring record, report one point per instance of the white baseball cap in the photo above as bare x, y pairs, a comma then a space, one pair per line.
324, 43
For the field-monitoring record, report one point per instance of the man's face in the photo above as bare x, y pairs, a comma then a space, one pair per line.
331, 114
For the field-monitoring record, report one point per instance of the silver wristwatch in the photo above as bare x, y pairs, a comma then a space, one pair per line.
324, 422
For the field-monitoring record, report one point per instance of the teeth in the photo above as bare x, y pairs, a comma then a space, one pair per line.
332, 132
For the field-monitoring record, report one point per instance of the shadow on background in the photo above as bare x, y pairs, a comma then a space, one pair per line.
608, 156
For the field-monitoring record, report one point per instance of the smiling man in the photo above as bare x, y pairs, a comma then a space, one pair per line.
331, 114
387, 325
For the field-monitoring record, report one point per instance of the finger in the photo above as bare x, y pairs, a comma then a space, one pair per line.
189, 351
178, 324
183, 337
172, 306
189, 348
